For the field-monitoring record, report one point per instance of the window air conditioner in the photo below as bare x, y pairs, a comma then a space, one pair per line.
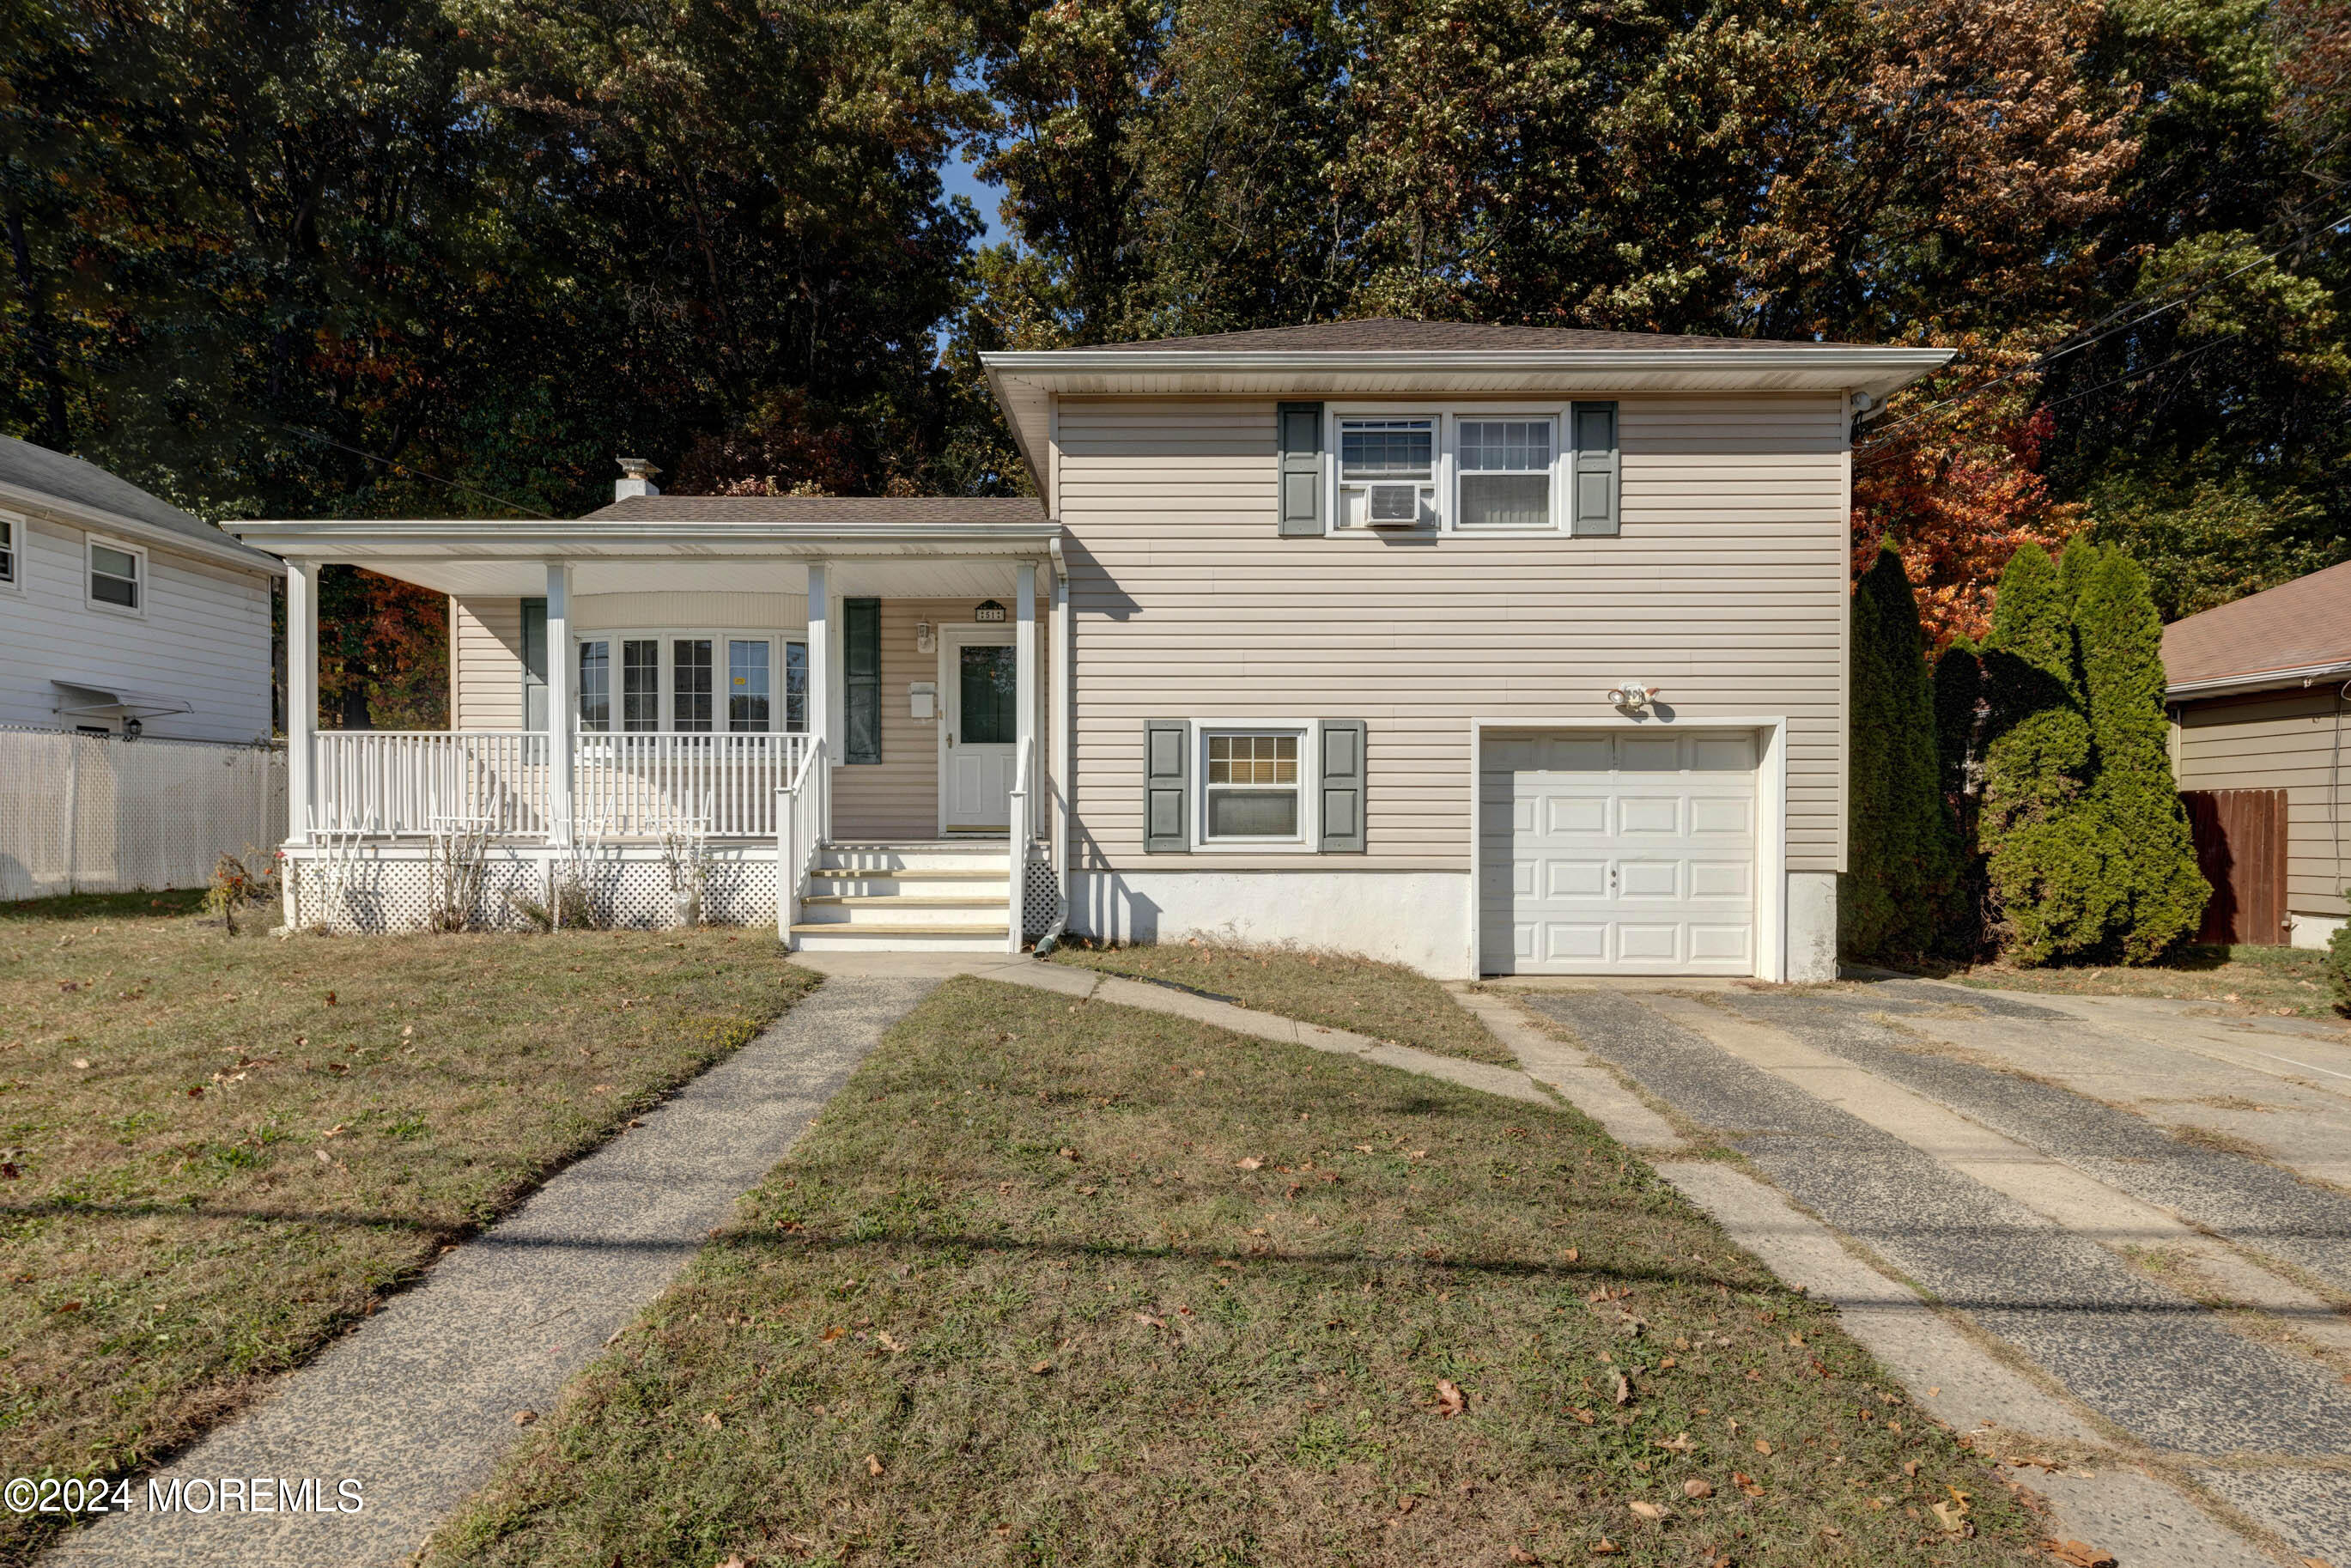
1395, 507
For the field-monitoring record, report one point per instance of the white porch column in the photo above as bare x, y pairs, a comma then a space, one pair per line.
1025, 760
820, 681
301, 694
561, 703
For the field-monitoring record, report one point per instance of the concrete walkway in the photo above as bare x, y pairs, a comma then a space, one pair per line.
419, 1403
2026, 1257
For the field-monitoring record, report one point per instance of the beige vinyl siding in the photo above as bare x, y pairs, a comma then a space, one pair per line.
484, 664
1727, 588
2285, 741
898, 798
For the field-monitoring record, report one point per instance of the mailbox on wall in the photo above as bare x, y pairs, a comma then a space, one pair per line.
923, 699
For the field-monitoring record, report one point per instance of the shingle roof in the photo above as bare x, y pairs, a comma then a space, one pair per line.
69, 479
825, 511
1396, 335
2293, 626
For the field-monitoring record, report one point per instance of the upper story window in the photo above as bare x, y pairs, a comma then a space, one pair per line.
1505, 476
117, 576
10, 543
1388, 473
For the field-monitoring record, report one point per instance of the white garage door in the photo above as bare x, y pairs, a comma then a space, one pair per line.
1625, 854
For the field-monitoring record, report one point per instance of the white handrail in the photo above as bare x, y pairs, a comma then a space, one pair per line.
800, 818
1016, 884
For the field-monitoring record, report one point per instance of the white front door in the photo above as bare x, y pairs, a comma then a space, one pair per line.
1618, 853
977, 729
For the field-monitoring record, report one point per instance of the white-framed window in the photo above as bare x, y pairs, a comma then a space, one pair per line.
691, 682
12, 552
1253, 785
1387, 471
1506, 473
118, 577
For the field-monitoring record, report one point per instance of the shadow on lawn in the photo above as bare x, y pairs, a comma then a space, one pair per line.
172, 902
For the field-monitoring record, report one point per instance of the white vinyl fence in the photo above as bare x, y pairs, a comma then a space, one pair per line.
88, 813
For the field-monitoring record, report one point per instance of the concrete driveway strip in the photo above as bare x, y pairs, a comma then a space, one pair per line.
2229, 1194
2151, 1361
419, 1403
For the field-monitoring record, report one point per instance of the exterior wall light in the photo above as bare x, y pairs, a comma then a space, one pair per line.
1631, 695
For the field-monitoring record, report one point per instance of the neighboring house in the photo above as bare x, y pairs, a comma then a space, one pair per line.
117, 608
2260, 693
1479, 648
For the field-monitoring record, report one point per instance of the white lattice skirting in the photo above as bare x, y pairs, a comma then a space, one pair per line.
380, 888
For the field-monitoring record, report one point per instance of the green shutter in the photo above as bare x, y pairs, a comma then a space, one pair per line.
1299, 436
1340, 780
1166, 785
861, 646
1595, 495
534, 664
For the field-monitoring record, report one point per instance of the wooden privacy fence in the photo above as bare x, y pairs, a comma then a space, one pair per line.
92, 813
2240, 847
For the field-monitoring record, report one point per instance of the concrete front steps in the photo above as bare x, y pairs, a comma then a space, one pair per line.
951, 896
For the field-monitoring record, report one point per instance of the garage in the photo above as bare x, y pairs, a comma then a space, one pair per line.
1618, 853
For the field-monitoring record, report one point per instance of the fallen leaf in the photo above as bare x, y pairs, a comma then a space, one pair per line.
1679, 1442
889, 1344
1450, 1401
1953, 1519
1604, 1547
830, 1335
1249, 1164
2081, 1554
1623, 1389
1041, 1368
872, 1465
1145, 1317
1069, 1154
1745, 1483
710, 1419
1698, 1486
1362, 1148
1574, 1255
82, 1062
525, 1417
1910, 1467
1648, 1510
1762, 1446
1520, 1554
1586, 1417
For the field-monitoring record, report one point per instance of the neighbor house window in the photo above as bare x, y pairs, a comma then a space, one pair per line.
1388, 473
115, 576
9, 545
1251, 787
1505, 474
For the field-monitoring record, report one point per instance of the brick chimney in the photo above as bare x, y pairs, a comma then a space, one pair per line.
636, 479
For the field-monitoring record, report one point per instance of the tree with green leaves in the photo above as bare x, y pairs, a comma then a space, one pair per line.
2160, 890
1899, 845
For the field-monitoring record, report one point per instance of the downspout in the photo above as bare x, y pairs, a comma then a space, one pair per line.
1064, 748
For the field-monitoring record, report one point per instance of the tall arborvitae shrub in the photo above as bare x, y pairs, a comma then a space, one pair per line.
2046, 850
2156, 880
1899, 842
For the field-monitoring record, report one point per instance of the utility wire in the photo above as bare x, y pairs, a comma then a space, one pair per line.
397, 467
2040, 360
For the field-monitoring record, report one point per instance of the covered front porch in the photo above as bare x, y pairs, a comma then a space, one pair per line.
688, 708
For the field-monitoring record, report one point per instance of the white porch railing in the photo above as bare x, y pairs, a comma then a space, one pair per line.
399, 782
802, 810
1022, 826
636, 784
641, 782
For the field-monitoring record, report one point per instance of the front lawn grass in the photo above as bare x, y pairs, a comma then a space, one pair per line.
1386, 1001
1078, 1284
2284, 982
216, 1150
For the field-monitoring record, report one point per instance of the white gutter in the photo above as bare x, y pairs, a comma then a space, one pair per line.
75, 514
2222, 686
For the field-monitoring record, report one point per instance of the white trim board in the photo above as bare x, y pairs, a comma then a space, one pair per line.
1771, 809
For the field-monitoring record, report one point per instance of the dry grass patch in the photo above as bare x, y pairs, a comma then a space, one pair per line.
2284, 982
216, 1150
1386, 1001
1080, 1284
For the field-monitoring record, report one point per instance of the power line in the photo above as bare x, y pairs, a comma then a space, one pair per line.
398, 467
2049, 356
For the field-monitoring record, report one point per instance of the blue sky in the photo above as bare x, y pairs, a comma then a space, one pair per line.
963, 180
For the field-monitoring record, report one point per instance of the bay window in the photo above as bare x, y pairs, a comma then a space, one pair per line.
671, 681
